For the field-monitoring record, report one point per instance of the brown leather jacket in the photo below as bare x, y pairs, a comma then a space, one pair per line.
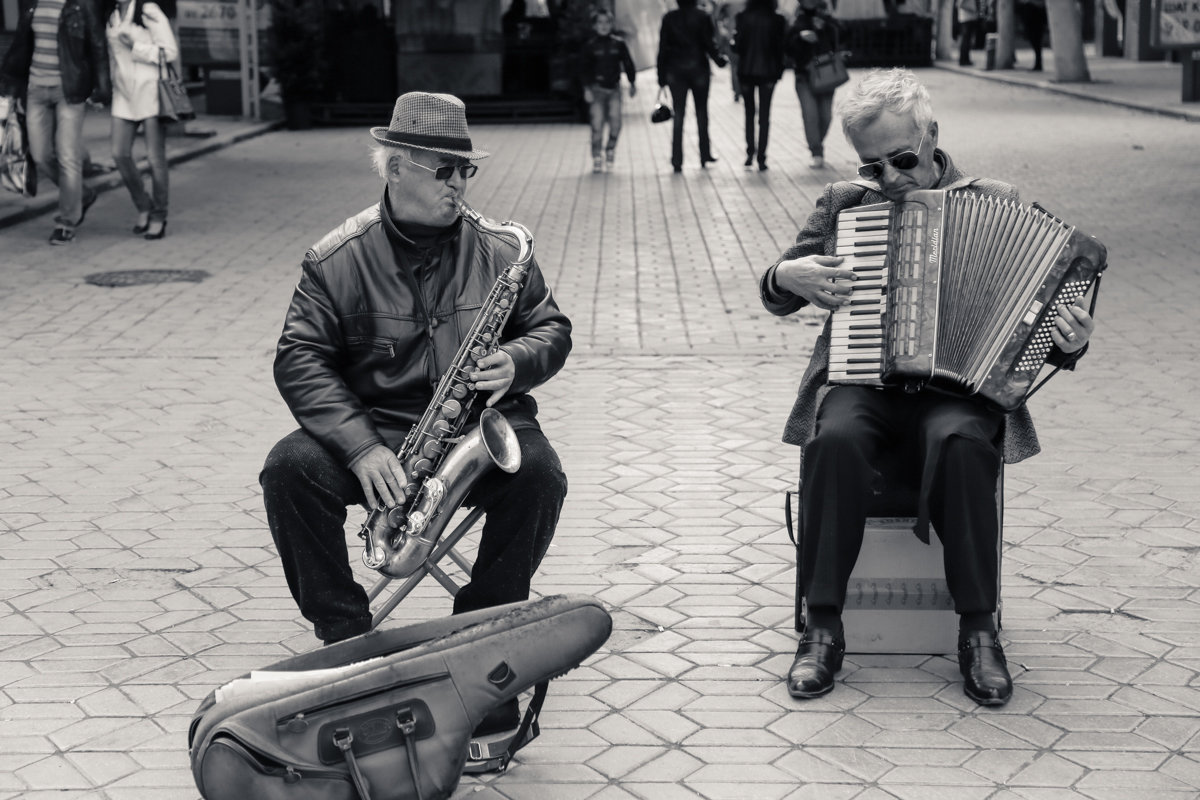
376, 320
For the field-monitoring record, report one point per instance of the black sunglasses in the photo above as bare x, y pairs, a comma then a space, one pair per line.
444, 172
906, 160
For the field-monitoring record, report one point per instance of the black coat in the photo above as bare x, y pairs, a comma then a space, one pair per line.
82, 53
828, 33
686, 40
759, 44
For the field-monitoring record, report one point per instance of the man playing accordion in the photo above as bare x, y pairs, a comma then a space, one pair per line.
956, 445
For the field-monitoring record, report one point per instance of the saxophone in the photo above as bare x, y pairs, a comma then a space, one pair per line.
440, 465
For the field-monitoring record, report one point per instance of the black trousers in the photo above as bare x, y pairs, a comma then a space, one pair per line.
306, 492
967, 33
766, 88
680, 84
950, 443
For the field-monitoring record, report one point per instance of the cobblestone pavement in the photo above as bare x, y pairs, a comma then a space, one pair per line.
137, 573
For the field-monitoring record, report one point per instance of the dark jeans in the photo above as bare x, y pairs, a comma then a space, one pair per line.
680, 85
765, 89
123, 131
967, 31
306, 492
950, 444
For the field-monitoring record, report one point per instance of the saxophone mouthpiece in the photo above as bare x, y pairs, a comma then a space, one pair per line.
522, 238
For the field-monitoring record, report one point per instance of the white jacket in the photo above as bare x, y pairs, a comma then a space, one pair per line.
135, 69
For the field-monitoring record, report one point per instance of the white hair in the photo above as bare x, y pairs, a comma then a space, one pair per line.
896, 90
381, 154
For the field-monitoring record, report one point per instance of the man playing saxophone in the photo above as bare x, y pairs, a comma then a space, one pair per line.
383, 304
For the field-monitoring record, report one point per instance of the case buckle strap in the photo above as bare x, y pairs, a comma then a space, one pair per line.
406, 721
344, 739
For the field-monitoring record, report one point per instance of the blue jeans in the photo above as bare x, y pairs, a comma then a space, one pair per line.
605, 108
56, 142
123, 131
817, 112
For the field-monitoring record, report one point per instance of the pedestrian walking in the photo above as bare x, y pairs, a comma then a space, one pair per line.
686, 43
603, 59
57, 61
955, 445
813, 32
1033, 20
139, 41
383, 305
759, 47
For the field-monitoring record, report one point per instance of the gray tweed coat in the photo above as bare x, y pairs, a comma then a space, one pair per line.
819, 237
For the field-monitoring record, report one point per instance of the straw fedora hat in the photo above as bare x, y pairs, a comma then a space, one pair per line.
426, 121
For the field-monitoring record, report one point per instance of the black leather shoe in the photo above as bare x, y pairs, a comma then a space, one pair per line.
984, 669
704, 162
818, 659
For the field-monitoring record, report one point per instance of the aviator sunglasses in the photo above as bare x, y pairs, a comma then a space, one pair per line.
444, 172
906, 161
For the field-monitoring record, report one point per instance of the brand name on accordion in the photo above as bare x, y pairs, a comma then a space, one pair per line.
935, 239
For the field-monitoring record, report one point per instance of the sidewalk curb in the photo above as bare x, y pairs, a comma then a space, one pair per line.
1067, 89
111, 180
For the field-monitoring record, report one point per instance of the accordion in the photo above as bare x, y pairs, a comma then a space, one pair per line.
957, 292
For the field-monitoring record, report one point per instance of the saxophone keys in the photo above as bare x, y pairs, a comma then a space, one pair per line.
442, 428
431, 449
451, 408
460, 391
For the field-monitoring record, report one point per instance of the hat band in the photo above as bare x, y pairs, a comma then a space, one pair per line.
425, 140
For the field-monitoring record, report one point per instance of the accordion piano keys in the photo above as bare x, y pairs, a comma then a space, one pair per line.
857, 339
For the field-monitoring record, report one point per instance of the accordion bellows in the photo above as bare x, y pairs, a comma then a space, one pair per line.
957, 292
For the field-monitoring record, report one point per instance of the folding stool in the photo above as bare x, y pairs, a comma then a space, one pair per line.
897, 600
445, 547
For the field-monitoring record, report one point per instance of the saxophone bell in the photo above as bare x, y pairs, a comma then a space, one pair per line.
397, 542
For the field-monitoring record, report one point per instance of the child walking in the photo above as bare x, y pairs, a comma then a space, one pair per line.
601, 62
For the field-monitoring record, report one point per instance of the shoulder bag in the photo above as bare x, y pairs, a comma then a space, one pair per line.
826, 72
173, 101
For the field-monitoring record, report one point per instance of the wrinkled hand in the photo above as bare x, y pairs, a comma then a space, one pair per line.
1073, 327
381, 475
493, 373
817, 279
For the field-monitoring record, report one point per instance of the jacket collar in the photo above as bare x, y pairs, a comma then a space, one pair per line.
399, 239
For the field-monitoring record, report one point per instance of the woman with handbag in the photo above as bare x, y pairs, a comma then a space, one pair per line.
140, 42
813, 37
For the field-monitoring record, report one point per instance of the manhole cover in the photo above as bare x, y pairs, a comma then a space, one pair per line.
142, 277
